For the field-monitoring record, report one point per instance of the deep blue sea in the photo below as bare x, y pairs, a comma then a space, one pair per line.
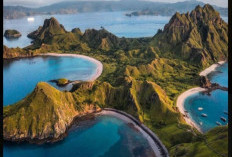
20, 76
106, 136
214, 105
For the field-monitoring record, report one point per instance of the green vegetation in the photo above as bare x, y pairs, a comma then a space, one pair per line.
12, 33
199, 37
44, 114
213, 143
141, 76
62, 81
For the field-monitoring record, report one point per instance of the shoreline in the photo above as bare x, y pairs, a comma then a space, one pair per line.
93, 60
180, 104
212, 68
181, 98
158, 148
155, 143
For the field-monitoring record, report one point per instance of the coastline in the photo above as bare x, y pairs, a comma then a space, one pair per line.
181, 98
158, 148
95, 61
180, 104
212, 68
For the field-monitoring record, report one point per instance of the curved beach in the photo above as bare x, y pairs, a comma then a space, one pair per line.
158, 148
180, 105
181, 98
98, 63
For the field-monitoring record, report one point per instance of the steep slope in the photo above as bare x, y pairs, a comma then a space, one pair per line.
199, 37
50, 28
44, 115
136, 97
101, 39
213, 143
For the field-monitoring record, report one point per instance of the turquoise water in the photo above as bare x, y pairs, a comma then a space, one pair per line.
20, 76
214, 105
220, 75
106, 136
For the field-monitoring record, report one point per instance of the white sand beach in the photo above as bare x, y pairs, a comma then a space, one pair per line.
211, 68
181, 98
153, 145
180, 105
98, 63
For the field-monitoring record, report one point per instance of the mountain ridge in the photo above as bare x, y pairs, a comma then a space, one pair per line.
167, 9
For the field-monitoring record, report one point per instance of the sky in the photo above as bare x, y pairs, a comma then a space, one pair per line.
38, 3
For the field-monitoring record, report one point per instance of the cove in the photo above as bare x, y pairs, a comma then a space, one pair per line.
215, 105
102, 137
20, 76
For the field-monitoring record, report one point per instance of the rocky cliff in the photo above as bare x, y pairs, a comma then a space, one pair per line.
198, 37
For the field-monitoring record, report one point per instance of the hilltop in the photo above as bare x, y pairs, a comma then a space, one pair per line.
143, 76
198, 37
44, 115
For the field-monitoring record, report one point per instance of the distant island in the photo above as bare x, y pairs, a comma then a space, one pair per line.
141, 76
133, 8
12, 34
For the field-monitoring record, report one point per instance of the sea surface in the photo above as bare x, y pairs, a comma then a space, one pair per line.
215, 105
106, 136
115, 22
20, 76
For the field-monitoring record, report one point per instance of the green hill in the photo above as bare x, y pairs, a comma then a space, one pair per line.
199, 37
43, 115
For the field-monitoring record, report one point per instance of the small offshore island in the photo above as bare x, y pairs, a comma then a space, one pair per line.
12, 34
141, 76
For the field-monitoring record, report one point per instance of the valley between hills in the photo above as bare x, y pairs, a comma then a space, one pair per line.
141, 76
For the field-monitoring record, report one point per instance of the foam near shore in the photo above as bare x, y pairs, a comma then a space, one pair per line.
98, 63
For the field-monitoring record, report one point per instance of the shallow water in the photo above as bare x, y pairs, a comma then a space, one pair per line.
20, 76
214, 105
106, 136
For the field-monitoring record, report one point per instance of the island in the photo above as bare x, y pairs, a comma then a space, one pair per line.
141, 76
12, 34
